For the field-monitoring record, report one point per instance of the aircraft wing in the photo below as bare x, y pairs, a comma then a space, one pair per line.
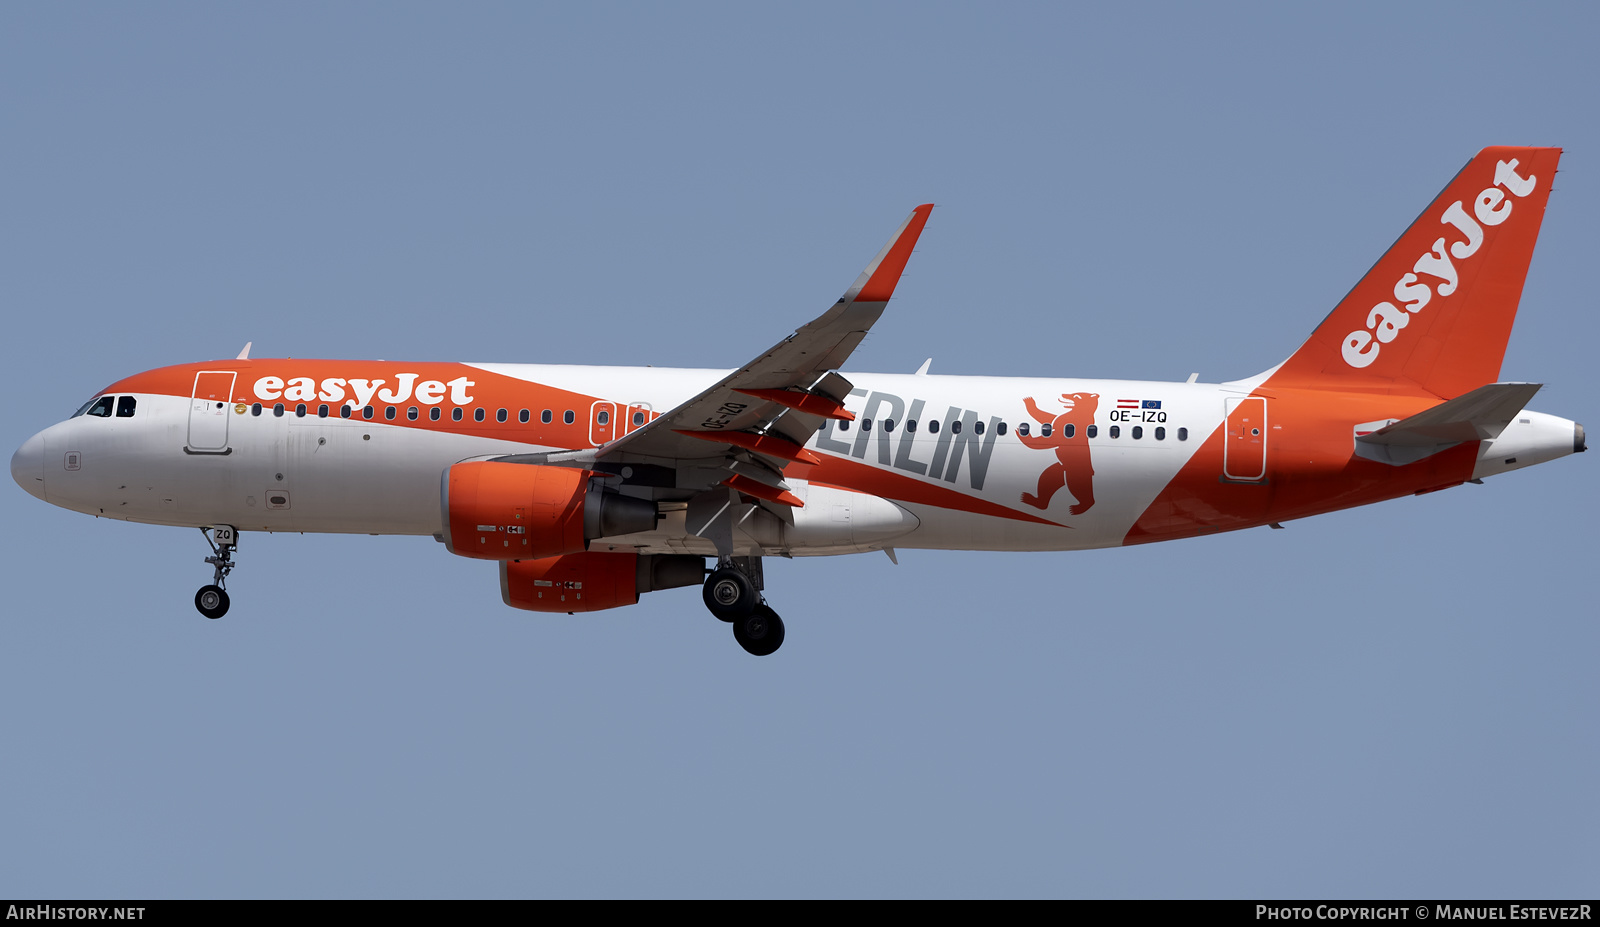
746, 428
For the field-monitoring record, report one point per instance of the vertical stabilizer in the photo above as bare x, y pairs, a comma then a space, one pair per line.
1434, 314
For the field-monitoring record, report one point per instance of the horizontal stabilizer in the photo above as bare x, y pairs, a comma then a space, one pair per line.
1474, 416
1482, 413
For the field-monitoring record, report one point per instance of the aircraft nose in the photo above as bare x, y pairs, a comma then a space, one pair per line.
27, 465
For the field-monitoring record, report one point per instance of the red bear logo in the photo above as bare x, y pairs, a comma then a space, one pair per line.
1068, 435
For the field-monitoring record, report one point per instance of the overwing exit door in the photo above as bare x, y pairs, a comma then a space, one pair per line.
601, 422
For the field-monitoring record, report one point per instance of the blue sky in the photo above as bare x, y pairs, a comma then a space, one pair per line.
1398, 700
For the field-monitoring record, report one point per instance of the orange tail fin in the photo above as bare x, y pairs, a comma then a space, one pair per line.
1434, 314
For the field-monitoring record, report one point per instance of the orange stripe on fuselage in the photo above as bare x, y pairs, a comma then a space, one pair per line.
268, 381
841, 473
1311, 468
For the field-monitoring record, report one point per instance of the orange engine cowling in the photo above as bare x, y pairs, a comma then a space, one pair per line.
510, 511
589, 582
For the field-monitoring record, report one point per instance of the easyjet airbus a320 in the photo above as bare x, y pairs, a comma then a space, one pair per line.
590, 486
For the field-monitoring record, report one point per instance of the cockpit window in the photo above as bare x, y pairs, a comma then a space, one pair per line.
84, 408
125, 406
101, 408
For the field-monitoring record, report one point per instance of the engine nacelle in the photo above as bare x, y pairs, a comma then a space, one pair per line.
510, 511
589, 582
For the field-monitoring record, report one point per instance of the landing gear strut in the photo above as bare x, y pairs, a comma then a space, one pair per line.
733, 594
212, 600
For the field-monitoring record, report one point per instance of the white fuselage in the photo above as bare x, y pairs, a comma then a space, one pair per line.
883, 484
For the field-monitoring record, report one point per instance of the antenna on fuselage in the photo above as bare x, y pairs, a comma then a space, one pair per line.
244, 353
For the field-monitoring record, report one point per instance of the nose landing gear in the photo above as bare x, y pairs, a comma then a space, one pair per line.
212, 600
733, 594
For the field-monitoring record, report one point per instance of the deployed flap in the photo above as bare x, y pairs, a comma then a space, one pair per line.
774, 404
1482, 413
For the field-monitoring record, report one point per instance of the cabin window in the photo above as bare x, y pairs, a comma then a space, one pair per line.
933, 426
125, 406
455, 414
412, 413
1046, 429
477, 414
911, 425
277, 410
602, 417
1183, 434
955, 427
523, 416
638, 419
1000, 429
389, 412
977, 428
500, 416
1022, 429
568, 417
1161, 434
255, 409
844, 426
344, 411
322, 411
888, 424
1116, 431
1069, 429
1092, 430
366, 412
300, 410
434, 414
1138, 432
545, 416
866, 424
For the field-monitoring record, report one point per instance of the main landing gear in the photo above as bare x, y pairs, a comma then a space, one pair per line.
212, 600
733, 594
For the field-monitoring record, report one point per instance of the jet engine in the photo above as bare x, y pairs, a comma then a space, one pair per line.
589, 582
510, 511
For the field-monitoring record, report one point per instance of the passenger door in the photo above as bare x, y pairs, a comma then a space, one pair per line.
1244, 454
209, 408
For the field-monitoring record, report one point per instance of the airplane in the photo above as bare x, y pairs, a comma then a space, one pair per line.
590, 486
